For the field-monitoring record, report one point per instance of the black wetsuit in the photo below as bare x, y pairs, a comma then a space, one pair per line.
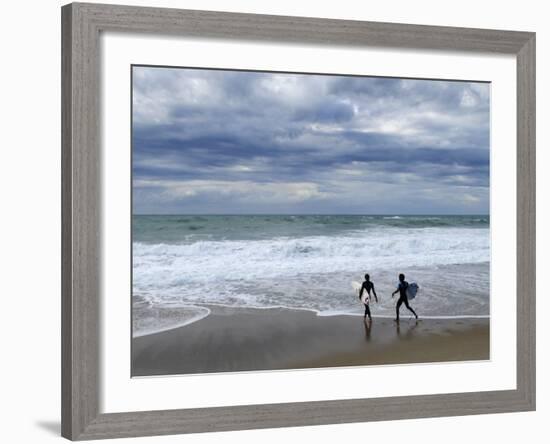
403, 299
367, 286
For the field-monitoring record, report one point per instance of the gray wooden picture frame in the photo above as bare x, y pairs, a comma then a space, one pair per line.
81, 167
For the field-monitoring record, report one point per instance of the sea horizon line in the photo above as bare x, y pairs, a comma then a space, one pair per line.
313, 214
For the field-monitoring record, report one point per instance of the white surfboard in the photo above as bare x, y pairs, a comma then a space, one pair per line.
357, 287
412, 289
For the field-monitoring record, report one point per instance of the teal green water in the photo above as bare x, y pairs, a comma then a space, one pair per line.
190, 228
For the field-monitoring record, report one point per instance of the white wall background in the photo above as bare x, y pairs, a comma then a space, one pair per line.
30, 219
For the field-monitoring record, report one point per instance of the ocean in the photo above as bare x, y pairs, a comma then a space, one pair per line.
182, 264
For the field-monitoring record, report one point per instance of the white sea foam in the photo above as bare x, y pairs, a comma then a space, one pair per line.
314, 273
149, 320
283, 257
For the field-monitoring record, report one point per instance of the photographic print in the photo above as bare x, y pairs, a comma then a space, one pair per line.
288, 221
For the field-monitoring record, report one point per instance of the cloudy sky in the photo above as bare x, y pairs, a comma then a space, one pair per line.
228, 142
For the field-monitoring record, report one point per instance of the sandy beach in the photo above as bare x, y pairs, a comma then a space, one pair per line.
231, 340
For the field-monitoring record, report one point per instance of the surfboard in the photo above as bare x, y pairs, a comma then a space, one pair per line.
412, 289
357, 287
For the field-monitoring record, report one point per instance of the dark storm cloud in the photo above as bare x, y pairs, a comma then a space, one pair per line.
205, 140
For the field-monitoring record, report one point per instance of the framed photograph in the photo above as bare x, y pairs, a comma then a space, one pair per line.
278, 221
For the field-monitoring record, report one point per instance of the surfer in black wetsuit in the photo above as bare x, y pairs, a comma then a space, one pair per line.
367, 286
403, 299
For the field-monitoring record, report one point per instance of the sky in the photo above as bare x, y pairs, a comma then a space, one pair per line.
234, 142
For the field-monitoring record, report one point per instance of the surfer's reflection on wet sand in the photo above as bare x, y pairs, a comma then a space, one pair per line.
406, 333
368, 329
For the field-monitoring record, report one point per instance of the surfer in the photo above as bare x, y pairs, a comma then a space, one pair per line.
367, 286
403, 299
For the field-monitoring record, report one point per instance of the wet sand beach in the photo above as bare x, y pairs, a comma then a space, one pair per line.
231, 340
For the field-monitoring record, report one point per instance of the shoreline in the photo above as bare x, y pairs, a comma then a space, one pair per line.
308, 310
252, 339
324, 294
